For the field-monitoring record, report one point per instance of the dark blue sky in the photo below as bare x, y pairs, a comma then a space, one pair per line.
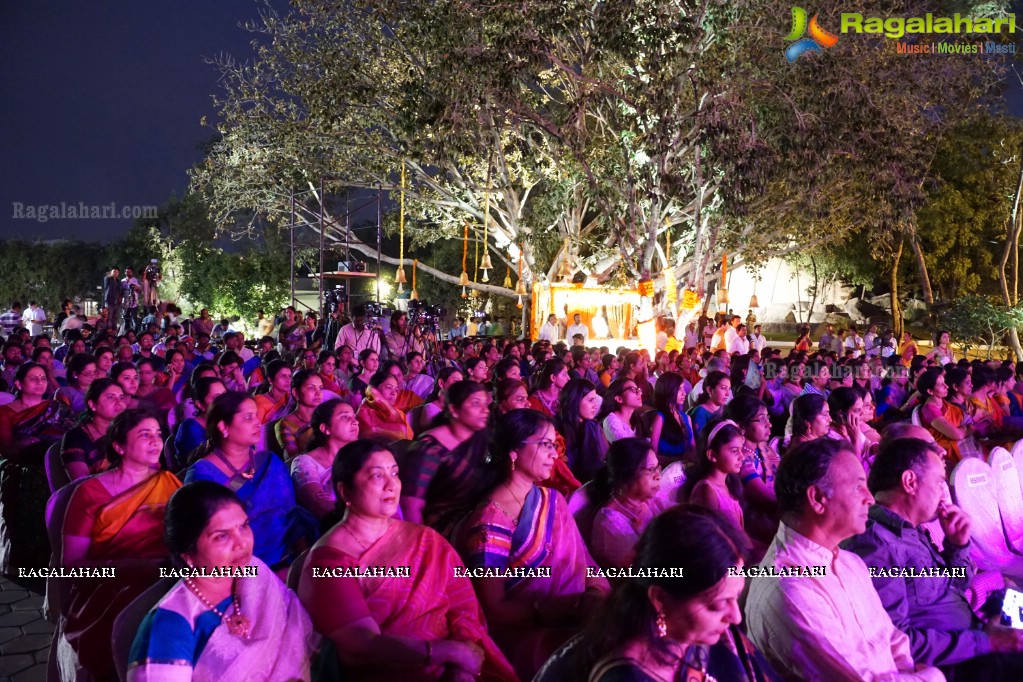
101, 103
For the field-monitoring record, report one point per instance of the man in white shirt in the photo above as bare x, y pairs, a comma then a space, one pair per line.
33, 318
872, 342
732, 333
825, 622
691, 336
578, 328
854, 342
549, 330
708, 333
356, 335
757, 341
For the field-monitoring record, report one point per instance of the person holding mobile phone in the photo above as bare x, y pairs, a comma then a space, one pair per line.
908, 484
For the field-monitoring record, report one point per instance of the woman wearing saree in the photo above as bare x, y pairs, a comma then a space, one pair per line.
28, 426
439, 472
379, 417
281, 528
83, 450
423, 626
273, 404
951, 427
521, 525
115, 520
221, 628
81, 372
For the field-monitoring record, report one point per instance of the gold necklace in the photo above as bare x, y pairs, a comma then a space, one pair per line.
344, 526
237, 624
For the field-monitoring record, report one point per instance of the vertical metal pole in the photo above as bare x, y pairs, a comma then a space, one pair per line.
322, 228
380, 212
348, 249
293, 246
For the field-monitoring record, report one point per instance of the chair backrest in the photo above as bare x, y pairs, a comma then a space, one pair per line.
1010, 500
1017, 456
127, 623
914, 416
56, 601
295, 571
582, 510
672, 478
973, 488
414, 419
270, 436
170, 455
56, 476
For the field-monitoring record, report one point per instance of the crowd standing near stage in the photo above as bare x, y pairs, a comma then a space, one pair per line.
338, 501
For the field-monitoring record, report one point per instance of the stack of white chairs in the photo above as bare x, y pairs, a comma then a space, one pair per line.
1010, 496
975, 490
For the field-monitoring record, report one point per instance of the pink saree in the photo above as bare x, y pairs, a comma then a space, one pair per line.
430, 604
544, 536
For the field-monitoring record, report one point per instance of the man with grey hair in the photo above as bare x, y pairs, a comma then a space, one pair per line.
908, 482
824, 621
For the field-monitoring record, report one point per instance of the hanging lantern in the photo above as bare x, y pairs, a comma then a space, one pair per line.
507, 279
753, 302
486, 264
399, 278
464, 279
415, 292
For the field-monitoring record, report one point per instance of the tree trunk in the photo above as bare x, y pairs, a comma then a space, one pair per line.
898, 324
925, 278
816, 286
1012, 250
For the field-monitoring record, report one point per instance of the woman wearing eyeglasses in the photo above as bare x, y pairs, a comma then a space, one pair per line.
625, 496
621, 401
521, 525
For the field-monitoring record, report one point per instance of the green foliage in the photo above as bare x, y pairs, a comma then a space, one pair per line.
978, 320
963, 220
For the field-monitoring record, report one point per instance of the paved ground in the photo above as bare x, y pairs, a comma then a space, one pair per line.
24, 633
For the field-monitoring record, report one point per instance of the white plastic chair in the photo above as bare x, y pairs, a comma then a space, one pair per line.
973, 488
1010, 499
672, 479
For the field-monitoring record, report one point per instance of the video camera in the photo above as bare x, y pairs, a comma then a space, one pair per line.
334, 299
425, 316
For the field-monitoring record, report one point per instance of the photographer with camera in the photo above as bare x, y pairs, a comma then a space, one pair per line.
402, 340
356, 335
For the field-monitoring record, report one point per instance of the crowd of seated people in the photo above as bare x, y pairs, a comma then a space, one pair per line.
493, 508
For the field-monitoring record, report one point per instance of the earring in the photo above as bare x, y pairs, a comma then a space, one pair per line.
662, 626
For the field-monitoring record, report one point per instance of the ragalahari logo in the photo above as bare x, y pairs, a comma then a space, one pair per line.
819, 38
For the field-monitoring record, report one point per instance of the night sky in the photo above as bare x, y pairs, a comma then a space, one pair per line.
102, 103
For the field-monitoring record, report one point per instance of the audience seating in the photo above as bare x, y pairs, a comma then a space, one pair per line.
128, 621
1010, 499
270, 438
63, 664
56, 476
582, 511
973, 488
295, 571
672, 479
